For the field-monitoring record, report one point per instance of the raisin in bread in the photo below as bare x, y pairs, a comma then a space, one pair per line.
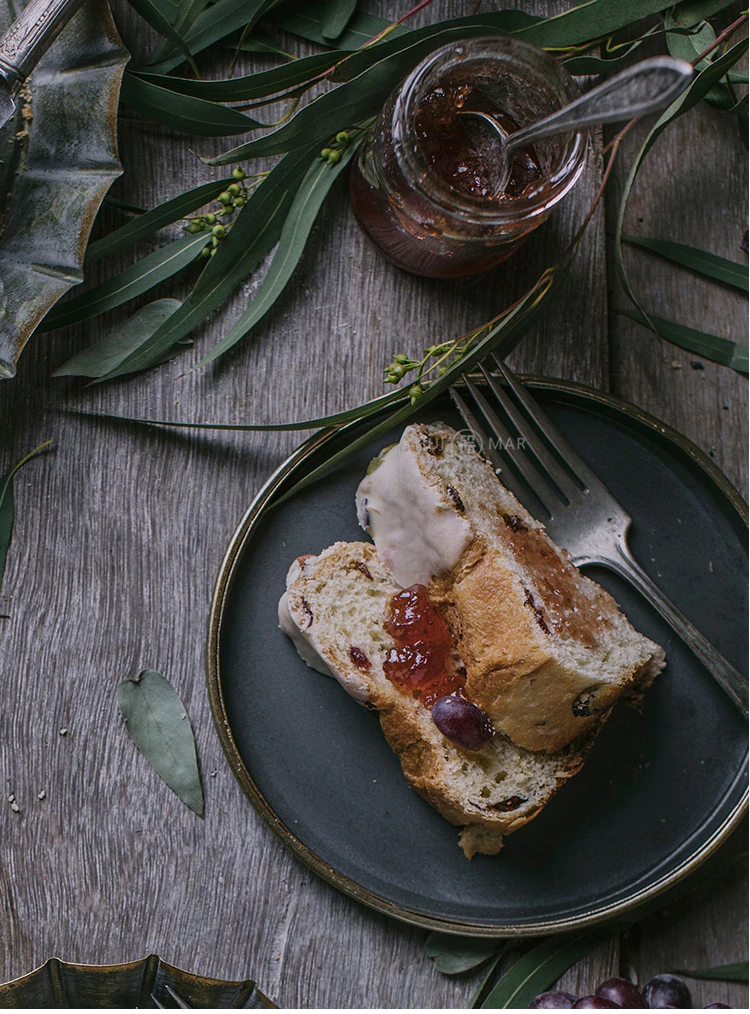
336, 609
546, 649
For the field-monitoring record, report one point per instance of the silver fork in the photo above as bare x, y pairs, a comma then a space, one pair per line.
583, 516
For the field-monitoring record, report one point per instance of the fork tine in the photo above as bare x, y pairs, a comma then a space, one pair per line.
157, 1003
558, 475
545, 494
577, 466
471, 421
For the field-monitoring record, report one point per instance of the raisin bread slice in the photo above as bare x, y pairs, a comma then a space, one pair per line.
336, 608
546, 649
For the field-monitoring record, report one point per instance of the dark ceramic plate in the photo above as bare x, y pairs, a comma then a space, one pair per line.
659, 791
58, 158
83, 987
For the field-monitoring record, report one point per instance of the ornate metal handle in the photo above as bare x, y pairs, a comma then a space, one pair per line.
28, 38
642, 88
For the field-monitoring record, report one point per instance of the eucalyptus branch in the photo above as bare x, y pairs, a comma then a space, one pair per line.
721, 38
387, 31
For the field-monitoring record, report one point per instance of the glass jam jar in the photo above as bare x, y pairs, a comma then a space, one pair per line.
423, 185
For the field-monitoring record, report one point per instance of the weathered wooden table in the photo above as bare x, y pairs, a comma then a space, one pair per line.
120, 532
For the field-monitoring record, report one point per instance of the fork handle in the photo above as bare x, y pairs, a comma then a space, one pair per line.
729, 679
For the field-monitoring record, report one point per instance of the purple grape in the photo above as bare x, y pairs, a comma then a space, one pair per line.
712, 1006
554, 999
462, 722
663, 991
596, 1002
622, 992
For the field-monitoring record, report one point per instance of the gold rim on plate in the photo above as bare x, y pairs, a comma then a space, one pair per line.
241, 537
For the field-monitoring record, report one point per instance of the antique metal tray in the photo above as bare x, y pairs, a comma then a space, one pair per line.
62, 984
58, 158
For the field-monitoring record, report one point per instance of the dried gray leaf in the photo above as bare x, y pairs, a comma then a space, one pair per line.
159, 726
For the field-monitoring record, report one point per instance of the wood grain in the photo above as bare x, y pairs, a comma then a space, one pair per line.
120, 533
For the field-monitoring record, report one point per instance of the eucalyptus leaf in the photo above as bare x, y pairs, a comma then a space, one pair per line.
253, 235
338, 13
432, 37
690, 13
537, 969
158, 724
305, 18
590, 20
708, 264
183, 112
687, 45
115, 202
151, 13
590, 64
7, 505
335, 419
257, 42
101, 357
699, 87
710, 346
453, 955
252, 86
132, 282
221, 19
304, 210
150, 221
735, 972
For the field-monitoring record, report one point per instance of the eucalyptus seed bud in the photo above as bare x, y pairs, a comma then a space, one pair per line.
334, 157
342, 137
212, 252
239, 173
194, 227
325, 153
401, 358
233, 189
415, 393
219, 231
224, 198
210, 219
238, 202
205, 252
398, 372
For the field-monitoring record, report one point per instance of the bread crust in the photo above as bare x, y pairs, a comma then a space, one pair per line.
428, 760
537, 637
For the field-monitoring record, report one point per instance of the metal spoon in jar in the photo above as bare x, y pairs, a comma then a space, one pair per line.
643, 88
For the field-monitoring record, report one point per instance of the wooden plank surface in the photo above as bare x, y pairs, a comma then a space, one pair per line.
120, 533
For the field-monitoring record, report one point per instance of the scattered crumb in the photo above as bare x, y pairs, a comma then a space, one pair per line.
42, 795
15, 807
697, 365
63, 732
214, 774
11, 797
676, 365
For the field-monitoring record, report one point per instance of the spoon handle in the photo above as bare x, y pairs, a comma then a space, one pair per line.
642, 88
29, 37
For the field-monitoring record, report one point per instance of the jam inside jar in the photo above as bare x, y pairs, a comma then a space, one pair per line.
425, 185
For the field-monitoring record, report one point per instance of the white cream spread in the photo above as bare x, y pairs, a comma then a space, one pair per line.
418, 535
